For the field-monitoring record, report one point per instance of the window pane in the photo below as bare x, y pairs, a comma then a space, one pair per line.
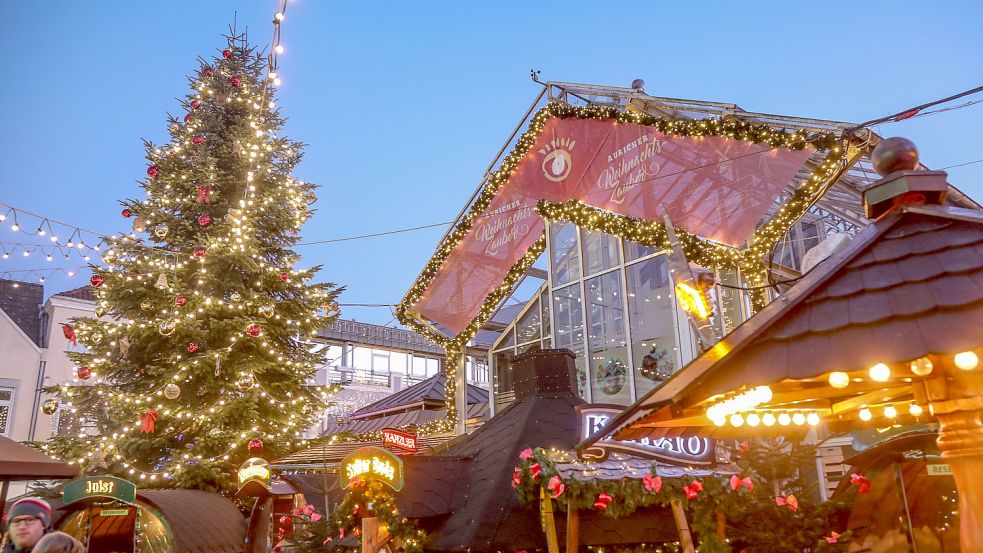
380, 362
731, 300
565, 253
362, 358
433, 367
4, 413
810, 236
397, 362
527, 329
503, 371
607, 340
6, 394
419, 366
600, 251
568, 313
634, 250
544, 302
653, 328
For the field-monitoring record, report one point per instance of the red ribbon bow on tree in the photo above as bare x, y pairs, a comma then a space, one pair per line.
737, 482
525, 454
147, 421
556, 486
742, 449
602, 501
693, 489
312, 514
69, 333
652, 483
861, 482
516, 477
832, 537
789, 500
204, 194
535, 469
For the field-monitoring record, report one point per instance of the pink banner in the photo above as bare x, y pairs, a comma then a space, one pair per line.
718, 188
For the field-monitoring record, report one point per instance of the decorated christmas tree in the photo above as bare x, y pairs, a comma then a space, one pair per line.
199, 359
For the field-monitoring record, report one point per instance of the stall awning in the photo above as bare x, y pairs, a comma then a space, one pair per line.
19, 462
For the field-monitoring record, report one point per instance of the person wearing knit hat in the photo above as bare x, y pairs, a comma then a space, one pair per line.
28, 519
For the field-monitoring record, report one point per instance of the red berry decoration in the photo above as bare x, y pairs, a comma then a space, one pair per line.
255, 444
254, 331
126, 213
204, 220
180, 301
97, 280
195, 104
197, 140
188, 118
284, 277
199, 252
84, 373
226, 54
235, 81
208, 72
193, 347
152, 171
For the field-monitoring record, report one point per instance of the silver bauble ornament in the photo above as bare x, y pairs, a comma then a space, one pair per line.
172, 391
139, 224
246, 382
50, 406
167, 328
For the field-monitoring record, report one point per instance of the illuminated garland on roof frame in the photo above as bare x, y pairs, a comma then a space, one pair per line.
700, 251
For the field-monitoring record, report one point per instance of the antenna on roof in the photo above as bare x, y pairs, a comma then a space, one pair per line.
534, 74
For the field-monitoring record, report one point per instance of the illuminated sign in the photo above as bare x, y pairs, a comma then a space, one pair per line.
108, 487
399, 439
254, 469
373, 463
692, 450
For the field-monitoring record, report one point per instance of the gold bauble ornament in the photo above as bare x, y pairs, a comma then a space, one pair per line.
146, 305
246, 382
167, 328
160, 231
50, 406
266, 311
100, 312
172, 391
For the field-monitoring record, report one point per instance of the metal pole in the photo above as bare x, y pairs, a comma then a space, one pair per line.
905, 514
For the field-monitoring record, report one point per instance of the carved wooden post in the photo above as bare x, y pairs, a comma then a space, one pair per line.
685, 538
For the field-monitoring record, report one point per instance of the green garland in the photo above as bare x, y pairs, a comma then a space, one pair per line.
746, 515
367, 498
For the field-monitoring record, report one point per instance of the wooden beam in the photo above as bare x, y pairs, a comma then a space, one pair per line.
547, 521
573, 529
685, 538
374, 538
876, 396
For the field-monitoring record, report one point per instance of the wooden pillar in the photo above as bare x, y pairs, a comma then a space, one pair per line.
573, 529
374, 535
961, 442
685, 538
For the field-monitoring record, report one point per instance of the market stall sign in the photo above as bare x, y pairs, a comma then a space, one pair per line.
373, 463
692, 450
398, 439
113, 512
254, 469
107, 487
939, 469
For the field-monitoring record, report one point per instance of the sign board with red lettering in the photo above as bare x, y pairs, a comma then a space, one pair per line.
397, 439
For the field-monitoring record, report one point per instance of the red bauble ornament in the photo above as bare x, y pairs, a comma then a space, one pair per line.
284, 277
195, 104
235, 81
180, 301
254, 330
84, 373
188, 118
152, 171
208, 72
226, 54
199, 252
126, 213
197, 140
96, 280
205, 220
193, 347
255, 444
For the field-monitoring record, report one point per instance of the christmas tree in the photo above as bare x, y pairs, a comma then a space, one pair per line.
204, 362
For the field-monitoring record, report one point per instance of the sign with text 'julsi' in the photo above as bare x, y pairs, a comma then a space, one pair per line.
99, 487
715, 187
372, 463
691, 450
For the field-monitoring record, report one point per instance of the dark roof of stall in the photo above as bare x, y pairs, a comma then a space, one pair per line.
428, 392
201, 522
20, 462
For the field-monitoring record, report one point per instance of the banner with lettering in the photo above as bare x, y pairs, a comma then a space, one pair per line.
715, 187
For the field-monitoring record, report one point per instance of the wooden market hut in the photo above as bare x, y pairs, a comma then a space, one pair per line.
886, 332
19, 462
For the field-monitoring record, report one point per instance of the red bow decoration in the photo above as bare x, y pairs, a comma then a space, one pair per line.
356, 482
535, 469
314, 515
279, 544
790, 501
516, 477
736, 482
652, 483
525, 454
602, 501
742, 449
147, 421
326, 540
693, 489
861, 482
204, 194
556, 486
357, 532
341, 534
69, 333
832, 537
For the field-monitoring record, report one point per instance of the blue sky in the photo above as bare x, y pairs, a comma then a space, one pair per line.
404, 104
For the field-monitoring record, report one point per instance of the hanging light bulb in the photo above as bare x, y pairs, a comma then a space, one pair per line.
812, 419
838, 379
880, 373
768, 419
915, 410
799, 419
784, 419
890, 412
865, 414
966, 360
922, 366
753, 419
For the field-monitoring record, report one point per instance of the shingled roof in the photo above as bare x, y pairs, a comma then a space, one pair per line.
87, 293
428, 393
21, 301
200, 522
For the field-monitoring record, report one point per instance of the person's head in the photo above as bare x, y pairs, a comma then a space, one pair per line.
27, 520
58, 542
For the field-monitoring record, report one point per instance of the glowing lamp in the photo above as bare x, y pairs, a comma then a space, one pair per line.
966, 360
865, 414
736, 420
890, 412
799, 419
768, 419
812, 419
915, 410
839, 379
784, 419
692, 300
753, 419
880, 373
719, 421
922, 366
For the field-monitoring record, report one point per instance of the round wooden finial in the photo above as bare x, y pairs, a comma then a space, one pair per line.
894, 154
